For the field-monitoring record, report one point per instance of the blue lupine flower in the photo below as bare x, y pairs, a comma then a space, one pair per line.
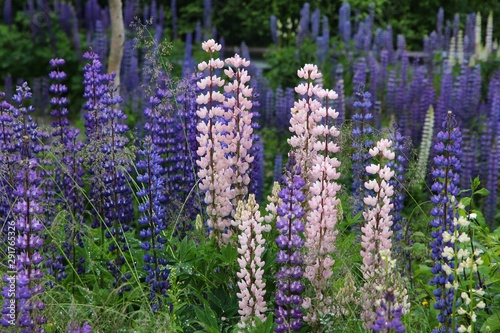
445, 198
288, 313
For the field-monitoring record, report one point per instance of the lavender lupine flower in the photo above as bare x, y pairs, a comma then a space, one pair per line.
154, 219
250, 249
322, 213
315, 23
288, 314
445, 198
362, 132
207, 17
75, 328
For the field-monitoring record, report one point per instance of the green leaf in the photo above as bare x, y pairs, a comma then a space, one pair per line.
206, 318
492, 324
465, 201
483, 192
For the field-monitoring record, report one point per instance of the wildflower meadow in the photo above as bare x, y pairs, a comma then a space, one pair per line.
342, 183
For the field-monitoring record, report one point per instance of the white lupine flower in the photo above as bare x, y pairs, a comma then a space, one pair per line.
464, 238
481, 305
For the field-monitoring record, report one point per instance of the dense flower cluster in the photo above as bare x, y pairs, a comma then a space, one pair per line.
251, 248
153, 218
106, 140
446, 190
290, 226
361, 142
377, 231
322, 213
302, 122
26, 225
212, 150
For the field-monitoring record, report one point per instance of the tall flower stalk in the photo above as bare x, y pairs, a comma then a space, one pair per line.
288, 314
28, 222
322, 213
153, 218
212, 150
446, 190
377, 233
251, 248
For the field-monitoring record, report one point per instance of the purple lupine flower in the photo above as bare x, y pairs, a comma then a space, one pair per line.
303, 27
315, 23
274, 29
493, 156
444, 103
445, 199
7, 13
289, 317
197, 33
92, 14
439, 28
8, 87
8, 157
323, 42
27, 219
173, 10
154, 220
75, 328
183, 146
447, 35
400, 226
361, 142
470, 34
110, 193
188, 65
359, 77
345, 24
373, 69
389, 318
100, 40
389, 43
256, 170
207, 17
278, 167
281, 111
69, 172
129, 12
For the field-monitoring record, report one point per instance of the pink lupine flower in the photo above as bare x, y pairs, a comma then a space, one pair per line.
301, 122
251, 247
240, 138
323, 202
212, 162
376, 238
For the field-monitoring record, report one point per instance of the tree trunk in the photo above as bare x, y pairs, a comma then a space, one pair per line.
117, 39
